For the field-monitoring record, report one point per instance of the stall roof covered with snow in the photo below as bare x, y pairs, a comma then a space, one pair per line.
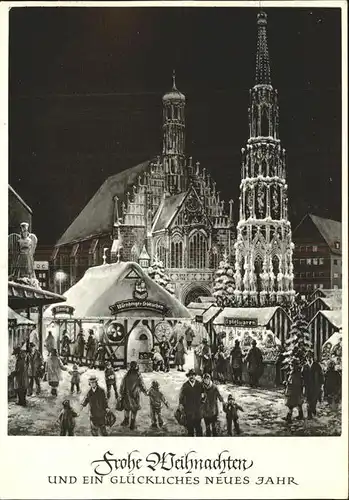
274, 318
18, 318
123, 290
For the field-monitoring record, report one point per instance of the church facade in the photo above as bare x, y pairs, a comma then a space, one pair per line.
264, 248
166, 209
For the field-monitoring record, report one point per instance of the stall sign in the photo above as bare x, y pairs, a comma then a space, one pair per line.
127, 305
63, 310
241, 322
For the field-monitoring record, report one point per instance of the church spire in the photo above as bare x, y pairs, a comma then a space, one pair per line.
262, 59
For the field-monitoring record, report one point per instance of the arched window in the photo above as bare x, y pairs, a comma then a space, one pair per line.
264, 122
197, 251
161, 251
134, 253
176, 252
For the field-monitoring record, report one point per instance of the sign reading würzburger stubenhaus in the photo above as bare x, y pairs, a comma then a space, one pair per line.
126, 305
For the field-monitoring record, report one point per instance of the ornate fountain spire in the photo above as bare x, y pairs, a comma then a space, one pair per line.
262, 59
263, 251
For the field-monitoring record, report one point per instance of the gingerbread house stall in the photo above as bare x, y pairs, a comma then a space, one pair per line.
127, 311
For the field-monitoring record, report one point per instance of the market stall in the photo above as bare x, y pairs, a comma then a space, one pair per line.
322, 326
332, 351
126, 310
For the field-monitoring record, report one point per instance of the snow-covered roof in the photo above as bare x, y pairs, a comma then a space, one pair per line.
334, 317
21, 320
210, 313
196, 312
167, 210
262, 314
103, 286
204, 299
198, 305
144, 254
332, 303
329, 292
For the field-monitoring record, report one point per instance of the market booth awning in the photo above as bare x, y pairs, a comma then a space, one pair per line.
24, 296
18, 318
122, 289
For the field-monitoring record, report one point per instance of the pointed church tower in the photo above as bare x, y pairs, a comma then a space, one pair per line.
263, 265
174, 140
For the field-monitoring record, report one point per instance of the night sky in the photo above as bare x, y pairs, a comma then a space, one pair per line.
86, 87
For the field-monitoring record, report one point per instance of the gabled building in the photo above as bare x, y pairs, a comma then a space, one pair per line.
317, 255
167, 207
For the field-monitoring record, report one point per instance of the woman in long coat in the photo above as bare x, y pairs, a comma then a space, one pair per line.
54, 367
21, 380
80, 346
91, 347
180, 355
131, 386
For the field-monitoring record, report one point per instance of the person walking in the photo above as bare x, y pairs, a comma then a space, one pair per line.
80, 346
91, 346
66, 419
65, 349
98, 402
220, 359
236, 363
100, 355
50, 343
180, 354
54, 367
294, 392
211, 396
190, 402
156, 399
206, 358
254, 361
189, 336
21, 380
165, 349
332, 385
75, 378
131, 386
110, 380
313, 381
35, 369
231, 409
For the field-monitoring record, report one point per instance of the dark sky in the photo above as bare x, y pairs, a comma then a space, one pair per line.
86, 87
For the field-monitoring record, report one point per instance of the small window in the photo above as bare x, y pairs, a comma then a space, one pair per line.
335, 262
314, 275
295, 261
302, 275
308, 275
335, 287
321, 285
314, 248
337, 245
336, 275
308, 248
315, 262
301, 249
321, 262
321, 275
302, 287
309, 287
302, 262
308, 262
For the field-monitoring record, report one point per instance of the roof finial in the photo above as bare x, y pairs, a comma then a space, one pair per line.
262, 60
174, 80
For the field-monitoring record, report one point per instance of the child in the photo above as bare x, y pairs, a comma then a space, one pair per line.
158, 360
156, 399
75, 378
231, 409
67, 419
110, 380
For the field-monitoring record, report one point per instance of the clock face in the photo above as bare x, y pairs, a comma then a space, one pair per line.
193, 205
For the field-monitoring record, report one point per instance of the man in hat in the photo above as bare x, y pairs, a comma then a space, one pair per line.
190, 401
98, 402
254, 361
313, 380
236, 363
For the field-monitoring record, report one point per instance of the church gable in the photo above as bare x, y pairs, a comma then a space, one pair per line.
191, 212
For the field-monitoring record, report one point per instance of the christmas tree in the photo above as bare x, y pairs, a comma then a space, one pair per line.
298, 344
157, 272
223, 288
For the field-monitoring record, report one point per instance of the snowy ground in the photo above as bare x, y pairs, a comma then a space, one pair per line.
264, 410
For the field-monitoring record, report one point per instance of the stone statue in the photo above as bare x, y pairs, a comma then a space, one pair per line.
21, 249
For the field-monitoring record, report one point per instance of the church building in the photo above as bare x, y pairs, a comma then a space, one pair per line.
165, 209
